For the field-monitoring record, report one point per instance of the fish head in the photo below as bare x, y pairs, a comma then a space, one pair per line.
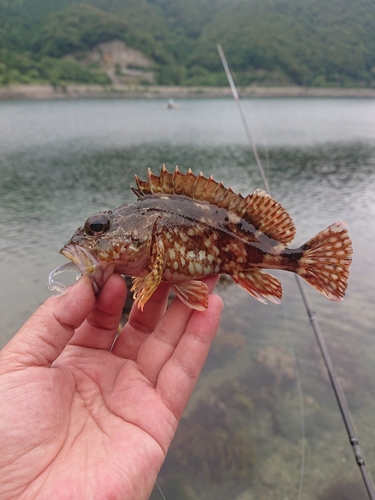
111, 242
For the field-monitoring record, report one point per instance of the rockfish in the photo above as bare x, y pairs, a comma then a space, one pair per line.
183, 227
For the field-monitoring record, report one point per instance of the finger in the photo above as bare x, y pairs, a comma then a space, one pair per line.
101, 326
159, 347
43, 337
178, 377
141, 323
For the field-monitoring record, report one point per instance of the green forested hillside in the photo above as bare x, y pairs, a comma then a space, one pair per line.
270, 42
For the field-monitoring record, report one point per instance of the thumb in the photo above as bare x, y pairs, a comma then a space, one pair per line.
43, 337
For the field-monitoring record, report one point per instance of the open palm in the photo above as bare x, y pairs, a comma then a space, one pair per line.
80, 422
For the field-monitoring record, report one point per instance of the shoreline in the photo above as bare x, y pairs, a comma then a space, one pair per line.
41, 92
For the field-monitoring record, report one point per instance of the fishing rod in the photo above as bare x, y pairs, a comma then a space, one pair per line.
336, 386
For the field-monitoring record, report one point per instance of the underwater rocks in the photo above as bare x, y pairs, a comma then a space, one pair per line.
212, 441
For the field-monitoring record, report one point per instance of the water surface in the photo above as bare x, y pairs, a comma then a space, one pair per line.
241, 435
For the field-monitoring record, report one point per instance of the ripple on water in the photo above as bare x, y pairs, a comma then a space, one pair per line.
51, 183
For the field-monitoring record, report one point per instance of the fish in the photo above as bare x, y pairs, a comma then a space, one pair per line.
182, 228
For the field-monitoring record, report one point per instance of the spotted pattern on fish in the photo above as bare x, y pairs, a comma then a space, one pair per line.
183, 227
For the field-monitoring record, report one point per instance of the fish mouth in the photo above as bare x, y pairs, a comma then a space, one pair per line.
97, 271
80, 257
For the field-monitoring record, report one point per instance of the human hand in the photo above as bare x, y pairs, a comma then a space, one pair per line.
80, 422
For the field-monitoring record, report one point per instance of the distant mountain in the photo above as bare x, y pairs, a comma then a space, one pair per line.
268, 42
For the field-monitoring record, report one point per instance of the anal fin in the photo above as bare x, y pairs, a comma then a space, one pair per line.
260, 285
192, 293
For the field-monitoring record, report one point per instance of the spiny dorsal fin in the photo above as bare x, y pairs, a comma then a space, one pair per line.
259, 209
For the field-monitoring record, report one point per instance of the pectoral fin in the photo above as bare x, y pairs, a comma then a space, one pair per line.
144, 287
260, 285
193, 293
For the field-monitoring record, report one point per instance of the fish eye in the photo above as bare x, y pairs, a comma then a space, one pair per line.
97, 224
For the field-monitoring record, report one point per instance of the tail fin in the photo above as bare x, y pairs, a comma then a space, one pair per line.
326, 259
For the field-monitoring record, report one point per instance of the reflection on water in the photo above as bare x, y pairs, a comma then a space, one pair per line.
240, 437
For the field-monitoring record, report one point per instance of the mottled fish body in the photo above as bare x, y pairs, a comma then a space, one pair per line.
182, 228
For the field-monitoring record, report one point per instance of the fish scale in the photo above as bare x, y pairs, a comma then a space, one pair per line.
185, 227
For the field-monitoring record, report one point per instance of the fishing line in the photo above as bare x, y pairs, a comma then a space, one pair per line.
288, 333
340, 395
336, 386
237, 99
156, 483
300, 399
160, 490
